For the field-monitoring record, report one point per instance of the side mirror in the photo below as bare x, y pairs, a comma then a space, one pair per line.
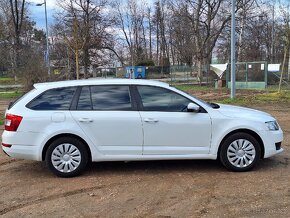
191, 107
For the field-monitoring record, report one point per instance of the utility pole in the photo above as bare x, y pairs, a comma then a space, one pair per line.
273, 34
233, 50
47, 41
288, 39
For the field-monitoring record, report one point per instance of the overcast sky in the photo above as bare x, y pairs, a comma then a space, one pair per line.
38, 15
37, 12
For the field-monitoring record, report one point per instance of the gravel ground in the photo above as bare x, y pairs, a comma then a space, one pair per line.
151, 189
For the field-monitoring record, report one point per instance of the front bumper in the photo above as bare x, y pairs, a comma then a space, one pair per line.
271, 140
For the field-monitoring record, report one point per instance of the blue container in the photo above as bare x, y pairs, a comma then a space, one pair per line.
136, 72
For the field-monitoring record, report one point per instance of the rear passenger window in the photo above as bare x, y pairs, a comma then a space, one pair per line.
54, 99
111, 97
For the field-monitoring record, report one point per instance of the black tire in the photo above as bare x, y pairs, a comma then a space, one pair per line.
245, 157
70, 153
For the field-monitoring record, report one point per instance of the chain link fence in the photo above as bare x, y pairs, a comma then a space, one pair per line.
257, 75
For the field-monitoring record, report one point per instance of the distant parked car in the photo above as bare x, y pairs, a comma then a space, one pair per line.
70, 123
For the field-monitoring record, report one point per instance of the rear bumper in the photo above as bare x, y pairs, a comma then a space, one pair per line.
5, 153
22, 152
25, 145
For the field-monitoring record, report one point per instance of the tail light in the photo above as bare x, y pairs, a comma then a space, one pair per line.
12, 122
6, 145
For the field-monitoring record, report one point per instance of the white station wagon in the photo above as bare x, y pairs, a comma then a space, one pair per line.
69, 123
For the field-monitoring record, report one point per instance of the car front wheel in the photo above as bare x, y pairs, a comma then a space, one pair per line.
66, 157
240, 152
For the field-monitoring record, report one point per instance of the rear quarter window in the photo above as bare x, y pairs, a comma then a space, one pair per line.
53, 99
13, 103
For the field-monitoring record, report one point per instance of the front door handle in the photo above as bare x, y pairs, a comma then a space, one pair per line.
150, 120
85, 120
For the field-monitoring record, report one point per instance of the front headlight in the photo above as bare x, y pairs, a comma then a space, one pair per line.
272, 125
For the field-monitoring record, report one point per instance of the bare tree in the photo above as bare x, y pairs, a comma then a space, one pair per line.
206, 20
149, 17
87, 22
286, 40
162, 48
17, 8
135, 22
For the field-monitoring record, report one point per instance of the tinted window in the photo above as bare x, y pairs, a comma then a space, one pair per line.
160, 99
18, 99
85, 102
111, 98
54, 99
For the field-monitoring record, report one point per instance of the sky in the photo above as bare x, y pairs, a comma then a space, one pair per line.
38, 14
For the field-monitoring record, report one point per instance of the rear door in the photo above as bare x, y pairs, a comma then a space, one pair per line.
107, 115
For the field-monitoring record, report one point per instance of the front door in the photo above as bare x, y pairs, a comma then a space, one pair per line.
168, 128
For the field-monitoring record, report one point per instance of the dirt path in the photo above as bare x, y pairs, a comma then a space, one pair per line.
151, 189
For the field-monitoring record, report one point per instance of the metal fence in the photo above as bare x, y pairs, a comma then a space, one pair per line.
248, 74
174, 74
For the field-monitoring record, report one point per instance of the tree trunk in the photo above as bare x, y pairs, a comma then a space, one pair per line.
150, 34
281, 76
77, 63
288, 78
86, 61
199, 74
157, 43
240, 40
17, 18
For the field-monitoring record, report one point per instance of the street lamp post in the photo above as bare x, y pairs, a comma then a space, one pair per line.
47, 42
233, 50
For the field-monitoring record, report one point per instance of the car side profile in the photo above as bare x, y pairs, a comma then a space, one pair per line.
69, 123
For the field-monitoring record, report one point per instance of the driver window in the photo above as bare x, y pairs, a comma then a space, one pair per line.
160, 99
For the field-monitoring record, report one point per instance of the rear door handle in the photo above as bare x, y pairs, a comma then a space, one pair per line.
150, 120
85, 120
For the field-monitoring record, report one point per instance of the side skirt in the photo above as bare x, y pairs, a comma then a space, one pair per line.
153, 157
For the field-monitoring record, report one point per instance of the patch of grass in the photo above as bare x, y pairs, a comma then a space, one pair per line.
1, 119
5, 79
248, 96
272, 97
7, 95
189, 88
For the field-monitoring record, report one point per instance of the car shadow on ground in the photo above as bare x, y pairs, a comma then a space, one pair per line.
151, 167
166, 166
155, 166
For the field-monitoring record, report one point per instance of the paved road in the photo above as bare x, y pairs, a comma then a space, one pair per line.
11, 86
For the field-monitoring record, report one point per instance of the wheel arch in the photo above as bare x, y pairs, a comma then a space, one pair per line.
248, 131
44, 150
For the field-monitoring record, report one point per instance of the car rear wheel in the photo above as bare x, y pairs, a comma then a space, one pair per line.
66, 157
240, 152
